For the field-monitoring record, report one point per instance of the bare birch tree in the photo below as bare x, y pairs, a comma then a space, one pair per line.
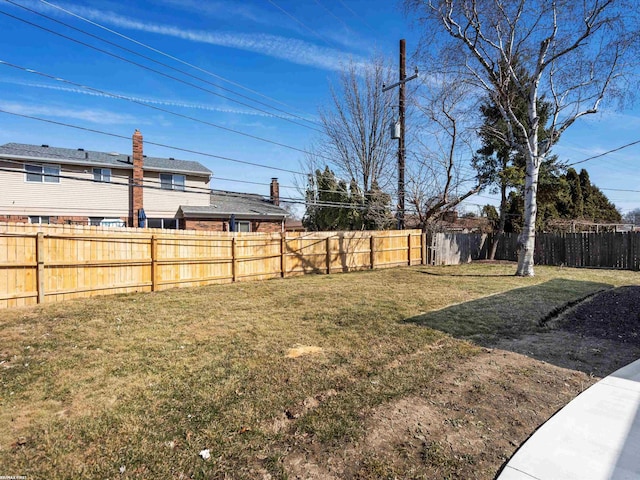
574, 54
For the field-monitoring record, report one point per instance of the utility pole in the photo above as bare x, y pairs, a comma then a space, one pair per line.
401, 110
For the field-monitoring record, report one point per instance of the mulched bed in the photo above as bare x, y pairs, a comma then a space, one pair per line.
612, 315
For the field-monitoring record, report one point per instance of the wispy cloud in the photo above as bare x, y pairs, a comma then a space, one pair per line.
275, 46
226, 10
151, 101
98, 116
270, 17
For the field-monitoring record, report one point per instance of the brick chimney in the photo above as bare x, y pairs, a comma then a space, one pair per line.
137, 180
275, 192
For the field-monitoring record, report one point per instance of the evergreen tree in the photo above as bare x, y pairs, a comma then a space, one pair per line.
569, 196
575, 188
331, 205
327, 203
357, 201
378, 214
597, 206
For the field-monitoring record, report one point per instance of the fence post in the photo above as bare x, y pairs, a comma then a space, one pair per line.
233, 259
372, 251
409, 249
423, 248
154, 263
40, 265
283, 247
328, 249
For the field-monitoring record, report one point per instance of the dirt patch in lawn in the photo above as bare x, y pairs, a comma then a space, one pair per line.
466, 426
469, 422
597, 336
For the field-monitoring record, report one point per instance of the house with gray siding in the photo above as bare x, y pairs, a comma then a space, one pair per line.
46, 184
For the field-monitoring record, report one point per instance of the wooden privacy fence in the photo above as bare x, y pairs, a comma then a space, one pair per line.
55, 263
595, 250
456, 248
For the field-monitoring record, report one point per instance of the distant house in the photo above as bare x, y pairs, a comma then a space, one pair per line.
449, 222
237, 212
43, 184
294, 226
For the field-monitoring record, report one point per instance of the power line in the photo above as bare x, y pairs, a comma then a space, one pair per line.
192, 188
171, 147
153, 143
160, 73
605, 153
334, 16
295, 19
358, 16
288, 187
248, 182
295, 200
182, 72
160, 109
160, 52
619, 190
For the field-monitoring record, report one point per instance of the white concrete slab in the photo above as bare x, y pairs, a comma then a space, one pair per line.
510, 473
595, 436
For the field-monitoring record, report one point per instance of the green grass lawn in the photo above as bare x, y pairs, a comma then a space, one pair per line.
144, 382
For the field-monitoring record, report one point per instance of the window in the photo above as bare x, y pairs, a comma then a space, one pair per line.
113, 222
243, 227
42, 173
170, 181
39, 220
102, 175
95, 221
166, 223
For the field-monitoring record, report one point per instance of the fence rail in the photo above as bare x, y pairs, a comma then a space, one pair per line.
41, 264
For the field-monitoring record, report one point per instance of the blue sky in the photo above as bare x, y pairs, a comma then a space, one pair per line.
282, 53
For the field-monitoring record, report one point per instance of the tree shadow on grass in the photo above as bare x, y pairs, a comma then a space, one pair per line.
536, 321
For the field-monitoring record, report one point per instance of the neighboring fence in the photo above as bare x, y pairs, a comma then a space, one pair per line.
456, 248
595, 250
52, 263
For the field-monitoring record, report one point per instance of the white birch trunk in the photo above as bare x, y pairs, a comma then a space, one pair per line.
527, 239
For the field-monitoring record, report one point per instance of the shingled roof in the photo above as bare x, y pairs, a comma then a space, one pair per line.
44, 153
242, 205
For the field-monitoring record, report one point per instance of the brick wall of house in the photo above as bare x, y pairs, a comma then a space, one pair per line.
266, 227
223, 226
14, 218
69, 220
204, 224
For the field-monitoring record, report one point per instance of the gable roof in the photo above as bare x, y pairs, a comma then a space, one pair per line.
43, 153
242, 205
